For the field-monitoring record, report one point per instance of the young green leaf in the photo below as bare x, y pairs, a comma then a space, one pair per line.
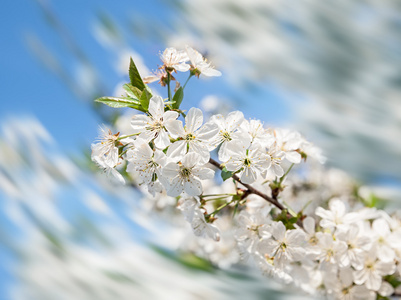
132, 91
177, 99
226, 174
134, 76
145, 98
120, 102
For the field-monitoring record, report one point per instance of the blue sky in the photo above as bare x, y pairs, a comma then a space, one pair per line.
29, 88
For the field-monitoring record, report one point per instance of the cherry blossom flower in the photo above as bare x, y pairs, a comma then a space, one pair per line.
228, 132
357, 245
186, 175
195, 216
372, 271
160, 75
336, 216
258, 134
249, 163
330, 251
105, 154
199, 64
193, 137
251, 228
174, 60
385, 240
284, 245
152, 127
289, 142
148, 164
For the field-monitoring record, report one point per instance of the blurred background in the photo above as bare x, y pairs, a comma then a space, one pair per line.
330, 70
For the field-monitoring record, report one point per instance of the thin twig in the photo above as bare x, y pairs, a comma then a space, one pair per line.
251, 189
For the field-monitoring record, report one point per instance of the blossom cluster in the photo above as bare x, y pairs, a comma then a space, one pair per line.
340, 251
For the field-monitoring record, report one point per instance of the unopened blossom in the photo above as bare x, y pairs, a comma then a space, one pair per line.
186, 175
284, 245
249, 163
199, 64
174, 60
193, 137
148, 164
152, 126
228, 132
373, 270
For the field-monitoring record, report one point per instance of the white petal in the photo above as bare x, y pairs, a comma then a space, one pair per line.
163, 140
309, 225
208, 132
194, 119
156, 107
234, 120
201, 150
175, 128
248, 175
177, 150
176, 187
204, 173
293, 157
170, 115
139, 123
193, 187
210, 71
191, 159
171, 170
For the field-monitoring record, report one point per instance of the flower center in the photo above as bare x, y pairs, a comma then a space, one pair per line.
226, 136
190, 137
247, 162
185, 172
313, 240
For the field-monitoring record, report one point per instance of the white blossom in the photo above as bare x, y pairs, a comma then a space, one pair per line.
147, 163
284, 245
174, 60
372, 271
250, 163
186, 175
151, 127
228, 132
199, 64
193, 137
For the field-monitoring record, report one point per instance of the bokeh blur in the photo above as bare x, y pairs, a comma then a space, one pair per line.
328, 70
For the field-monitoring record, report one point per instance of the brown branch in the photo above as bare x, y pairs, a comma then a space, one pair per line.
251, 189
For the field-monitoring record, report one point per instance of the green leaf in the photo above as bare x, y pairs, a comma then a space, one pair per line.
145, 98
134, 76
178, 96
226, 174
393, 280
132, 91
120, 102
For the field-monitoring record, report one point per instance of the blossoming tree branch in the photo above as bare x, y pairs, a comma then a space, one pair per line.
340, 249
